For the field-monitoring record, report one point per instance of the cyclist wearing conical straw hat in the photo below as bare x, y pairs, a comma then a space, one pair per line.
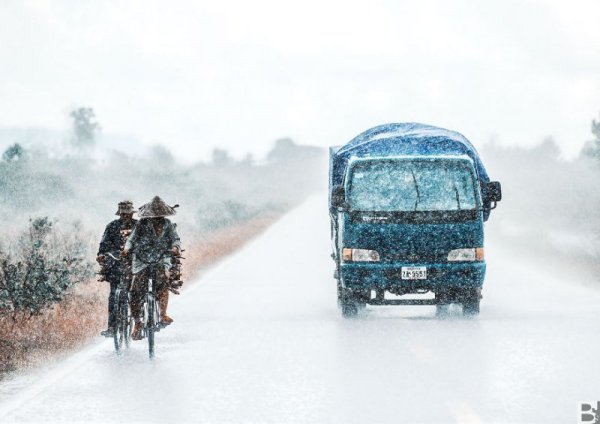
154, 240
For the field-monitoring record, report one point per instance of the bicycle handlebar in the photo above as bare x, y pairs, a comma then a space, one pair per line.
112, 256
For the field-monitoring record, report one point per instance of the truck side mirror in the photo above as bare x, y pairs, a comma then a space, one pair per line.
494, 191
338, 197
493, 194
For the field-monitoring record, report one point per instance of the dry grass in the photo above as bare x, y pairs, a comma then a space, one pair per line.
69, 324
29, 341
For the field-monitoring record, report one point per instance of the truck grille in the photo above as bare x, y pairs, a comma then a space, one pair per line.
415, 258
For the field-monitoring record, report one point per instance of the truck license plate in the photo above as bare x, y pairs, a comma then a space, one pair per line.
414, 273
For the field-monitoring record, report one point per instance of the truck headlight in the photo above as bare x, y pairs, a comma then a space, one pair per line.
360, 255
466, 255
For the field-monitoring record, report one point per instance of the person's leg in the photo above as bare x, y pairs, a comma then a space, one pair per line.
162, 295
136, 301
111, 310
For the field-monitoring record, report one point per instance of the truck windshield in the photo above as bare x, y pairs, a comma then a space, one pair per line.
412, 185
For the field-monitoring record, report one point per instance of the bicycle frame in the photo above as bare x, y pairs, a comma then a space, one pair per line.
151, 309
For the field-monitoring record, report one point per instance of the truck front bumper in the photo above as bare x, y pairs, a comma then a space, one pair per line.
440, 276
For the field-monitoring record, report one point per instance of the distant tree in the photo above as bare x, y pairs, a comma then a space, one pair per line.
221, 158
284, 149
13, 153
248, 160
596, 130
162, 155
548, 149
85, 127
592, 148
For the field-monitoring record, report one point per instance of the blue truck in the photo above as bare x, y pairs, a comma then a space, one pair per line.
407, 203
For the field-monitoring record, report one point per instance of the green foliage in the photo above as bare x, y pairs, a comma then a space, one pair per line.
46, 263
221, 158
592, 148
84, 127
596, 129
13, 153
284, 148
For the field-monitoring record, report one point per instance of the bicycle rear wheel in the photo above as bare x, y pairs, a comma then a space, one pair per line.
121, 329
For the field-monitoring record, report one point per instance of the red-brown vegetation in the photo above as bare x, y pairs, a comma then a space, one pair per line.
26, 341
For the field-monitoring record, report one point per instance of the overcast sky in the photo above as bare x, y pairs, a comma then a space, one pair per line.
239, 74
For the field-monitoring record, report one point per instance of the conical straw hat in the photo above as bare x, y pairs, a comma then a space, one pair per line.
156, 208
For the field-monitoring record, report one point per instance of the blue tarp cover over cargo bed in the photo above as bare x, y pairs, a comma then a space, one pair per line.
401, 140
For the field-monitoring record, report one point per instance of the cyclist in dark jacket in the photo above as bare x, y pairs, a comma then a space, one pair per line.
154, 240
112, 242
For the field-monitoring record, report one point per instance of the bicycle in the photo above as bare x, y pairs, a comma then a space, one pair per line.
151, 313
123, 317
151, 309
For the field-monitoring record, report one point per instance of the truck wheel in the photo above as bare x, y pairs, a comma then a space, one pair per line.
471, 303
441, 310
340, 294
360, 299
360, 305
442, 305
349, 309
347, 302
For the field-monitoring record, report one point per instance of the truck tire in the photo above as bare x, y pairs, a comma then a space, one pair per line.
361, 299
441, 310
349, 309
443, 299
471, 303
347, 302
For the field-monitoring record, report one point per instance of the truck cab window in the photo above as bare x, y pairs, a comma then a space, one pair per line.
410, 185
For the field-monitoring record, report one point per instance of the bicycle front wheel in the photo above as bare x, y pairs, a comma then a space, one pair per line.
127, 321
151, 324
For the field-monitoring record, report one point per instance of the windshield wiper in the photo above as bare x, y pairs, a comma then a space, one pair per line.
416, 188
457, 195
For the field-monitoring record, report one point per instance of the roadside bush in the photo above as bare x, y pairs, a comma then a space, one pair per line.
40, 268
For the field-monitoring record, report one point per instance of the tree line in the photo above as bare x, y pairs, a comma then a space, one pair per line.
55, 203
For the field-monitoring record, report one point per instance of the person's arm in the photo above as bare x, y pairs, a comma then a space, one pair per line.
132, 239
175, 240
104, 244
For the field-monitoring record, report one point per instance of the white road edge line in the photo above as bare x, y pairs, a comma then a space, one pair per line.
65, 367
